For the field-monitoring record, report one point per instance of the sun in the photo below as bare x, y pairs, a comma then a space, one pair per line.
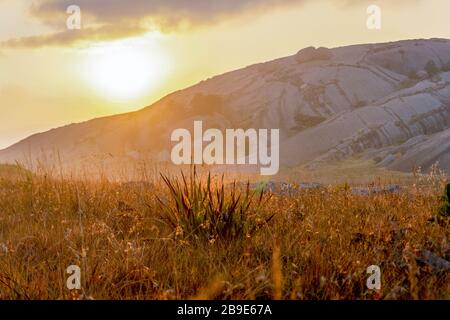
126, 72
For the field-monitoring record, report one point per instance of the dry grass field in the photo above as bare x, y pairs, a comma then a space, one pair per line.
198, 238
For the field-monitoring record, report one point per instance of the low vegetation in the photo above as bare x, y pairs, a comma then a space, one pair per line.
445, 207
431, 68
359, 104
194, 236
204, 210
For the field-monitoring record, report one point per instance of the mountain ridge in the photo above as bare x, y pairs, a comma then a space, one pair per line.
364, 100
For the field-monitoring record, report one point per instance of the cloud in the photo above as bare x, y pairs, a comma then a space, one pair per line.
69, 37
196, 11
116, 19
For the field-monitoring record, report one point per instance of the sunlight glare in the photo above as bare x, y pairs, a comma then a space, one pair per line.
126, 72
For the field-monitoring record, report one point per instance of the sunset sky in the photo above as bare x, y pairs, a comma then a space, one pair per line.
128, 54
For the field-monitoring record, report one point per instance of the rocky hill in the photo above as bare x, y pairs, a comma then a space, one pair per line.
387, 102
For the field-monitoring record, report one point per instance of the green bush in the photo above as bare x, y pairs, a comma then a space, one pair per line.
208, 211
446, 68
305, 121
411, 81
408, 83
445, 207
431, 68
359, 104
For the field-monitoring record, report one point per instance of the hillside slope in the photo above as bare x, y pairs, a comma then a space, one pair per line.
389, 102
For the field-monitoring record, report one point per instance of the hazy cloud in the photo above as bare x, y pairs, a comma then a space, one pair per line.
115, 19
170, 11
68, 37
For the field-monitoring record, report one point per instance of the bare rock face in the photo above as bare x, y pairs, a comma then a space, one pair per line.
387, 102
437, 263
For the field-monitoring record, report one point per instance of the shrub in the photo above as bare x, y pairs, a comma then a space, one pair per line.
207, 211
408, 83
446, 68
445, 206
431, 68
359, 104
411, 81
305, 121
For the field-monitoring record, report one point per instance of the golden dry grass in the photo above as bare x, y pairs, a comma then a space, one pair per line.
317, 246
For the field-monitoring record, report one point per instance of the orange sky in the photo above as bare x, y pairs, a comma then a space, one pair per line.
51, 76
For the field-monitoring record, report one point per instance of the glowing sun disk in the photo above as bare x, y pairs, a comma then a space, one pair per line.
126, 72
